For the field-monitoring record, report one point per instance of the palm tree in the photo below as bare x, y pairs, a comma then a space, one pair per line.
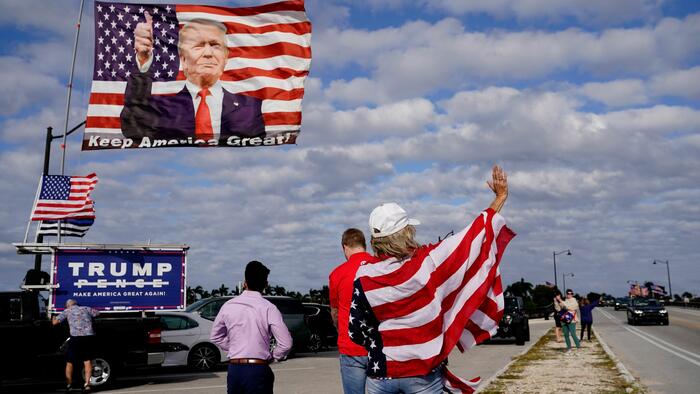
199, 290
223, 290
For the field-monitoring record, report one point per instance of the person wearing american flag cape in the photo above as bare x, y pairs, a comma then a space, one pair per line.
413, 304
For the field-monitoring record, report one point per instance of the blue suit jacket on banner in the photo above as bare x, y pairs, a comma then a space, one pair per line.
172, 116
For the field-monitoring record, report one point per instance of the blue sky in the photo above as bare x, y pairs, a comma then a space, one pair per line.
591, 106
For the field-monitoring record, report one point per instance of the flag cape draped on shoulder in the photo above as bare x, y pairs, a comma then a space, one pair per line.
409, 314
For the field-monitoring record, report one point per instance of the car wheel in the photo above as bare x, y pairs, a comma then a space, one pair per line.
315, 342
203, 357
102, 372
665, 322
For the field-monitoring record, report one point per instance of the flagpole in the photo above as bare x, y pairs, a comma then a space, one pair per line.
36, 198
70, 90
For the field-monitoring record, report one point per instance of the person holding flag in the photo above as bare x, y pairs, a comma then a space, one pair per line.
412, 304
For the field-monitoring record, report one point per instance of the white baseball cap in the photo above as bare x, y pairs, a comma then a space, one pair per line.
387, 219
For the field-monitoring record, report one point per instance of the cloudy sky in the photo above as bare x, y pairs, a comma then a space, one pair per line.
591, 106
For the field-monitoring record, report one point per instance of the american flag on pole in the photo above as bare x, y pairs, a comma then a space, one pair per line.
269, 55
69, 227
410, 314
64, 197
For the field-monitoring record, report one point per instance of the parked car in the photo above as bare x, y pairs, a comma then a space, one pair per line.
320, 323
292, 313
646, 310
193, 331
621, 303
34, 348
514, 322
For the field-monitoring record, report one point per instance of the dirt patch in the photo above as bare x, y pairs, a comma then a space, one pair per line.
548, 368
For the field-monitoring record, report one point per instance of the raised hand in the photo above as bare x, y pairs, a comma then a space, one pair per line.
143, 39
499, 182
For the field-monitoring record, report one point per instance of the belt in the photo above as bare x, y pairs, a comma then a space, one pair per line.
248, 361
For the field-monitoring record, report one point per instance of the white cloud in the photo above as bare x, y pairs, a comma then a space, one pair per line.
419, 58
682, 83
618, 93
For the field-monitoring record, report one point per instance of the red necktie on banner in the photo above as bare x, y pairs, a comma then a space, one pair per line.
202, 120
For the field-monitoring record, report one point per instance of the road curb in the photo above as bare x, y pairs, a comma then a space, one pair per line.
626, 374
500, 372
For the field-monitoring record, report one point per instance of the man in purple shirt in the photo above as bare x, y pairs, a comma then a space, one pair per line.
81, 344
244, 327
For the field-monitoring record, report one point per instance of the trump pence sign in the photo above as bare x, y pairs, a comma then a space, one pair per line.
119, 280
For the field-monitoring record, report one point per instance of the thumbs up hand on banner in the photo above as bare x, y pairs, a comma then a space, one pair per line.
143, 39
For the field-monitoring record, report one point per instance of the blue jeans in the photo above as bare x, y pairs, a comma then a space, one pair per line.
428, 384
353, 371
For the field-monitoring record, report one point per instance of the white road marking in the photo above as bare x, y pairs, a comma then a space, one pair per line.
195, 388
168, 389
660, 344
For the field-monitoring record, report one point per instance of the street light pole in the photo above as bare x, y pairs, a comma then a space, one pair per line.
554, 259
563, 277
668, 273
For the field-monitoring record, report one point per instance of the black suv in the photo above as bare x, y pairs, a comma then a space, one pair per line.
320, 322
646, 310
514, 323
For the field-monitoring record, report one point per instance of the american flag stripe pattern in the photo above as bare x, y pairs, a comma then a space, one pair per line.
63, 197
269, 58
446, 295
69, 227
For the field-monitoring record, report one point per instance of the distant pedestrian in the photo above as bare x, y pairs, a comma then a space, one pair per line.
244, 327
569, 316
587, 316
686, 301
81, 344
353, 357
557, 321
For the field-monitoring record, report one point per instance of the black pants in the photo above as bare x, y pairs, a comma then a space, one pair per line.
583, 328
250, 379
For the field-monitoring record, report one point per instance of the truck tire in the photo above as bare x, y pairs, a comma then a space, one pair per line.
102, 372
203, 357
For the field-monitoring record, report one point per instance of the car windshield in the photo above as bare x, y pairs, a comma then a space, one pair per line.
646, 303
193, 307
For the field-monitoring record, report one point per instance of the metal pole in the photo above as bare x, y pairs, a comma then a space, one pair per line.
668, 272
563, 278
47, 160
70, 90
554, 257
36, 198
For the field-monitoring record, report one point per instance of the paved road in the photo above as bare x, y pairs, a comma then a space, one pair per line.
665, 358
307, 373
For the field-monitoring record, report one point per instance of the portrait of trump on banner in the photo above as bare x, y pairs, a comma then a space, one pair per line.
196, 75
203, 109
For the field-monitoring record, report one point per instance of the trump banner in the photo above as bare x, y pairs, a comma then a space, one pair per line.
119, 280
173, 75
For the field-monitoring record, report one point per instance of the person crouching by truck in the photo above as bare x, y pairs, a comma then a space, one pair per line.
81, 342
